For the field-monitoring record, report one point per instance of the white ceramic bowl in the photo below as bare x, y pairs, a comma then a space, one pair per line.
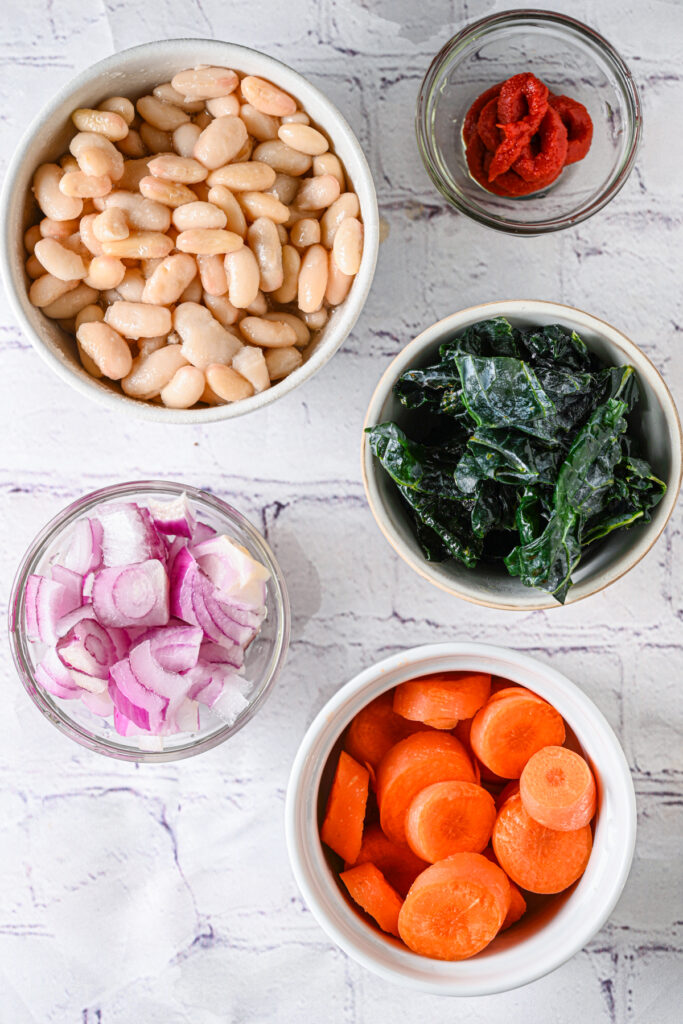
132, 73
545, 937
656, 426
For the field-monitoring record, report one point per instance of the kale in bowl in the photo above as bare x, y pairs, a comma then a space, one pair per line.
523, 452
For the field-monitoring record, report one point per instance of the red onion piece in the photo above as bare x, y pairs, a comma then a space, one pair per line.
173, 517
232, 570
90, 648
137, 702
217, 654
85, 550
132, 595
46, 602
128, 535
175, 646
55, 678
99, 703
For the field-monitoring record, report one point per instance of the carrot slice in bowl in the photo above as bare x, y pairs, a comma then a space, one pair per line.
537, 858
442, 698
376, 728
369, 888
509, 729
449, 817
412, 764
455, 908
558, 789
342, 827
399, 865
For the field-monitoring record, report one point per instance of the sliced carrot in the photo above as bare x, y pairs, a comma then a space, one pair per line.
369, 888
508, 730
537, 858
512, 691
442, 699
517, 908
558, 789
455, 908
412, 764
342, 827
399, 865
508, 790
376, 728
449, 817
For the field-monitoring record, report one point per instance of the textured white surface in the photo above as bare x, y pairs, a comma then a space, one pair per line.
163, 895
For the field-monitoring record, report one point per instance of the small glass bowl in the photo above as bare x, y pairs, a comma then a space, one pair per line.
264, 657
571, 59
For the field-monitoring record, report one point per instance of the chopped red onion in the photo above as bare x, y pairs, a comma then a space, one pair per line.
85, 550
173, 517
132, 595
129, 535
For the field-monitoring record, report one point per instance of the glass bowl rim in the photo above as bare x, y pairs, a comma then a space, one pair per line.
503, 19
19, 644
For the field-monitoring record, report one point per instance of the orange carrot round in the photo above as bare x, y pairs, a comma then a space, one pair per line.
558, 789
508, 730
512, 691
537, 858
449, 817
455, 908
508, 790
376, 728
442, 699
416, 762
517, 908
369, 888
399, 865
342, 827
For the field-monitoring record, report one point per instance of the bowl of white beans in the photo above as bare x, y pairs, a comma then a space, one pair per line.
189, 231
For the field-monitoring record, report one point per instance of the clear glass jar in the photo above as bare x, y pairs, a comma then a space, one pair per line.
572, 59
264, 657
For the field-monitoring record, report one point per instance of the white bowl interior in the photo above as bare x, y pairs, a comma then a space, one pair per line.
656, 427
133, 73
555, 928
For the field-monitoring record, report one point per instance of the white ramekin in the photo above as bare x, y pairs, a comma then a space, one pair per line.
657, 428
132, 73
541, 941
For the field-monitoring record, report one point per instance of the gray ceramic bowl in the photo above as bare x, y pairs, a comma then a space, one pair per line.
657, 428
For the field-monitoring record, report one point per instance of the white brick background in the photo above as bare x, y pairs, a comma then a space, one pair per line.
162, 895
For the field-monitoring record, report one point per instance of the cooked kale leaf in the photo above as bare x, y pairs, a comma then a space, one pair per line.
525, 438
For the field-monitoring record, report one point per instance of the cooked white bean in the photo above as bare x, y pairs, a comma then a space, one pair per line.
167, 94
71, 303
60, 261
346, 206
301, 331
282, 234
193, 292
303, 138
102, 122
220, 142
138, 319
265, 244
47, 289
212, 274
280, 362
224, 106
88, 315
34, 268
105, 272
317, 193
31, 236
348, 246
291, 264
148, 345
205, 83
285, 187
121, 106
227, 384
75, 244
184, 389
52, 201
329, 163
184, 139
132, 146
151, 373
87, 235
250, 362
96, 155
312, 279
111, 225
282, 158
169, 279
204, 339
252, 176
155, 140
305, 232
202, 120
222, 308
180, 169
263, 204
84, 186
132, 287
140, 245
106, 348
59, 229
140, 211
198, 215
267, 333
223, 198
317, 319
163, 116
133, 173
266, 97
208, 241
261, 126
338, 283
167, 193
259, 307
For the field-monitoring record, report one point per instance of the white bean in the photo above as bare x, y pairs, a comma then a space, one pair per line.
346, 206
312, 279
148, 345
347, 248
167, 94
263, 204
338, 283
155, 140
169, 279
250, 362
285, 187
301, 331
166, 193
132, 146
193, 292
317, 319
291, 264
267, 333
222, 308
119, 105
59, 229
205, 83
132, 287
151, 373
222, 106
259, 307
96, 155
133, 173
163, 116
266, 97
261, 126
87, 235
184, 139
280, 362
227, 384
212, 274
220, 142
138, 319
317, 193
84, 186
184, 389
303, 138
305, 232
208, 241
140, 245
34, 268
71, 303
264, 242
107, 349
111, 225
223, 198
251, 176
46, 289
88, 315
102, 122
52, 201
282, 158
60, 261
204, 339
31, 236
198, 215
105, 272
329, 163
180, 169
